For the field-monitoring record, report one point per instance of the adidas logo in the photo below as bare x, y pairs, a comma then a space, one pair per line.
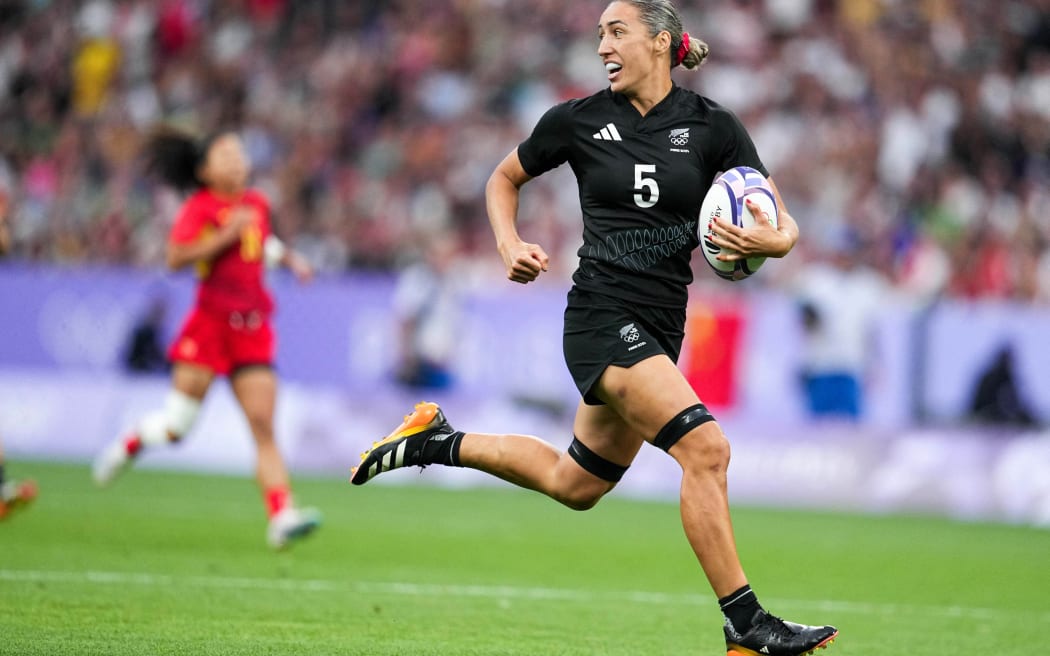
608, 133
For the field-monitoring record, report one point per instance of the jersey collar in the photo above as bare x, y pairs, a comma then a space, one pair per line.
658, 109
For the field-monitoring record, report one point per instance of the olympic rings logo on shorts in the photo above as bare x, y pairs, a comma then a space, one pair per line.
251, 320
629, 333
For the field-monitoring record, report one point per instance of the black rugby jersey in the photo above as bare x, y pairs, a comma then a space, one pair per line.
642, 181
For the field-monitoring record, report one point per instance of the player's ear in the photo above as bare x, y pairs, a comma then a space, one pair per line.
662, 42
201, 172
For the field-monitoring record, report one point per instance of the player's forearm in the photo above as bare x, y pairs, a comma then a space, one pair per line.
501, 199
183, 255
277, 254
786, 224
788, 228
501, 202
5, 232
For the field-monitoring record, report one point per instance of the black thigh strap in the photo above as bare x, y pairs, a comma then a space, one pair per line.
594, 463
684, 421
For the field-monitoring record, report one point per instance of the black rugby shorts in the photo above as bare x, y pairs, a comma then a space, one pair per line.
601, 331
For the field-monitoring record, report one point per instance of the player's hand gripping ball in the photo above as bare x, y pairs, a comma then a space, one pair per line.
725, 201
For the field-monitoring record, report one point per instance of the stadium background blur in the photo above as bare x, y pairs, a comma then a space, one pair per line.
910, 139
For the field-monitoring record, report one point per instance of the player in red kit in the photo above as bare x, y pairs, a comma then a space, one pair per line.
13, 494
223, 230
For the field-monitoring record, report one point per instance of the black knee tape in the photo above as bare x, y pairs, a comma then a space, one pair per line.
594, 463
684, 421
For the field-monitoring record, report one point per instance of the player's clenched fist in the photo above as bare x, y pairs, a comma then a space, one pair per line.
524, 261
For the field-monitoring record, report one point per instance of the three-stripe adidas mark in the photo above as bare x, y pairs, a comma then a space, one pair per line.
392, 460
608, 133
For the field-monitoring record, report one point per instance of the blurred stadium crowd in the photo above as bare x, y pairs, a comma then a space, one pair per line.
910, 135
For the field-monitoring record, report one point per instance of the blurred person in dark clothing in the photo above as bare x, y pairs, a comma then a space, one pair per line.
997, 397
145, 353
428, 305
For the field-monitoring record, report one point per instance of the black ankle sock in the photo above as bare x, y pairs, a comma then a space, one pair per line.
2, 472
443, 449
739, 608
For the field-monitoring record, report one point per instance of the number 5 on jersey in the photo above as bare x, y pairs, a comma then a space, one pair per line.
644, 184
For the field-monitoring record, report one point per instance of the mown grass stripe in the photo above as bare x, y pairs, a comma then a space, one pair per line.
494, 592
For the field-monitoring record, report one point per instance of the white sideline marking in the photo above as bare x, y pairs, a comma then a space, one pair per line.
494, 592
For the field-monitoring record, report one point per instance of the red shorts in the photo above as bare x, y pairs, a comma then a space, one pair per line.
224, 343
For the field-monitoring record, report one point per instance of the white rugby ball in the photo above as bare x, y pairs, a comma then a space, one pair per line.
725, 202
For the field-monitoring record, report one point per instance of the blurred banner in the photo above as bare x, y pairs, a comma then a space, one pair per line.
65, 391
743, 352
711, 355
958, 472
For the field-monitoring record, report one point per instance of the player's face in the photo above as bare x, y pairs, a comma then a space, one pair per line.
226, 164
626, 49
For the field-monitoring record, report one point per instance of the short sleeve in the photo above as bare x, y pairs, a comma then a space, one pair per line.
548, 145
188, 223
737, 148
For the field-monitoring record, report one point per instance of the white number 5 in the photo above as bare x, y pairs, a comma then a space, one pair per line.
641, 182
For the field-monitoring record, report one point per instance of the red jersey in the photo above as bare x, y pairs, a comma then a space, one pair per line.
233, 280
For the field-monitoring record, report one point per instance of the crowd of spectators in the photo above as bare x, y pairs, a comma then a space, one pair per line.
910, 135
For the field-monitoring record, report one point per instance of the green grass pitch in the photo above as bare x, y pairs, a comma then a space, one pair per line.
171, 563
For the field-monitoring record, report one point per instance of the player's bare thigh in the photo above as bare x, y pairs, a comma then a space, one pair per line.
191, 379
646, 395
640, 400
256, 390
604, 431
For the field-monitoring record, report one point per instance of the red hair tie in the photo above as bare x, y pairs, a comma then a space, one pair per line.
683, 49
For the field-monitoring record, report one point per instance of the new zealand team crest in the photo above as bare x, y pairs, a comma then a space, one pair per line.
679, 137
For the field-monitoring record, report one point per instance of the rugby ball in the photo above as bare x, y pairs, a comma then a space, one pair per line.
725, 202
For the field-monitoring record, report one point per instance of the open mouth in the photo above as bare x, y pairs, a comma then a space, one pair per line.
612, 68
